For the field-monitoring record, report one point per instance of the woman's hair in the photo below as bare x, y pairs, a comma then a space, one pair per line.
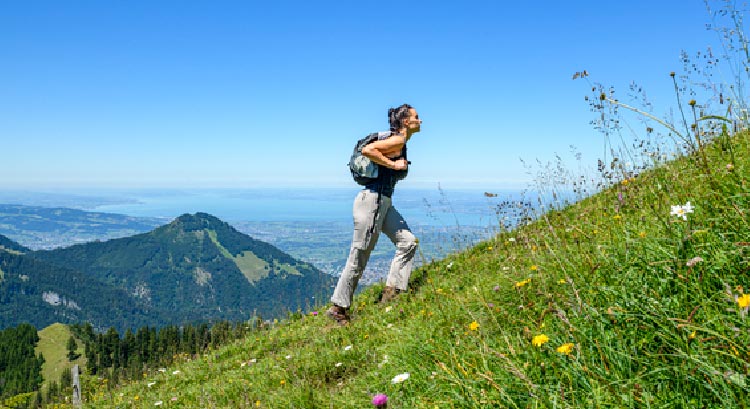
396, 116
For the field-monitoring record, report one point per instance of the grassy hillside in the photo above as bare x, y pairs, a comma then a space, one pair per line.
53, 341
628, 298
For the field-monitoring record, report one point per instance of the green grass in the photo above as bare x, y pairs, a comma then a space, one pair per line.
608, 276
53, 341
252, 267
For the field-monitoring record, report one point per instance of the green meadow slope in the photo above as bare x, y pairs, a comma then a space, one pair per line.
611, 302
53, 345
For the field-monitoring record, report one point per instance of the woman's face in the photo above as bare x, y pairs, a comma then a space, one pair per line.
413, 123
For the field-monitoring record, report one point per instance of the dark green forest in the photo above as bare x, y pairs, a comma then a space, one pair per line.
109, 355
20, 368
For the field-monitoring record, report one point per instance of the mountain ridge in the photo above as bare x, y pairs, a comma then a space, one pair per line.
195, 268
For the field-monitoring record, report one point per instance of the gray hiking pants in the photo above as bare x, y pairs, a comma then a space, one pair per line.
370, 218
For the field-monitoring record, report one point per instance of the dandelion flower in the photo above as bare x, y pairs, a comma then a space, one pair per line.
744, 301
380, 400
523, 283
400, 378
561, 281
474, 326
534, 268
539, 340
282, 382
489, 248
565, 348
642, 234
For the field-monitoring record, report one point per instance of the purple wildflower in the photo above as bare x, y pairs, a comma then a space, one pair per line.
380, 400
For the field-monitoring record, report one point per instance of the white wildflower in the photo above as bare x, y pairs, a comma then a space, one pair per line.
400, 378
348, 348
682, 210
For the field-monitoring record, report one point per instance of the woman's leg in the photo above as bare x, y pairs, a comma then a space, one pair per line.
369, 211
395, 227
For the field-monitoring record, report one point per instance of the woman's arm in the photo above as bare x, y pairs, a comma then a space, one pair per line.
381, 152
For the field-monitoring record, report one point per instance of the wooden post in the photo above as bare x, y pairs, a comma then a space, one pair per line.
76, 387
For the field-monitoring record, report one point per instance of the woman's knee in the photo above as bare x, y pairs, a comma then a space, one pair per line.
407, 240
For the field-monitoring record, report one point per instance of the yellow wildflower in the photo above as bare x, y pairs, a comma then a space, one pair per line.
523, 283
617, 217
474, 326
692, 335
534, 268
283, 382
642, 234
489, 248
257, 403
744, 301
539, 340
561, 281
565, 348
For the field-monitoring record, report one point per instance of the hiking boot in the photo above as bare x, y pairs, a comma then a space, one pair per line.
338, 314
389, 293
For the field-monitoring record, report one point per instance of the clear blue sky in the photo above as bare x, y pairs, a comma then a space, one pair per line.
250, 93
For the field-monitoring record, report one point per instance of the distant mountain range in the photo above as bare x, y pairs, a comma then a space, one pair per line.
196, 268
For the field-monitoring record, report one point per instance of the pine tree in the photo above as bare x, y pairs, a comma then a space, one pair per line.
72, 348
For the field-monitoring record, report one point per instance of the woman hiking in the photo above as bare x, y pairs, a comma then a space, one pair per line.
374, 213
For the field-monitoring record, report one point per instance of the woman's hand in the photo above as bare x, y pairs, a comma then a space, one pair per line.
400, 164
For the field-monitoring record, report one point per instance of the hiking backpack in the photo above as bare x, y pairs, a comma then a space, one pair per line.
364, 170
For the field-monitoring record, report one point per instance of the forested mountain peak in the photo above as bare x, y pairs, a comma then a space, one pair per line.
198, 267
198, 221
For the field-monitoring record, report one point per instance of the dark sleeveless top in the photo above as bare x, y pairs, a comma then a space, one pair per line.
387, 178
